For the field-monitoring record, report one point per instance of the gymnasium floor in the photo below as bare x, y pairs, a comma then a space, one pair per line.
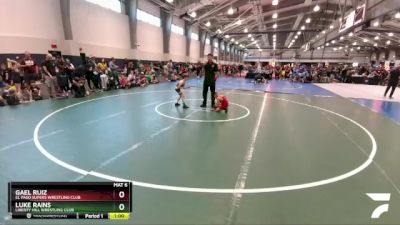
295, 154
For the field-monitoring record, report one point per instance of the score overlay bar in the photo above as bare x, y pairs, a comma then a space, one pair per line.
69, 200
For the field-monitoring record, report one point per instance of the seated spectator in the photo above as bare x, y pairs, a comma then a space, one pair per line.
78, 88
154, 79
36, 93
104, 80
113, 81
259, 79
2, 101
143, 81
123, 81
26, 94
2, 85
11, 97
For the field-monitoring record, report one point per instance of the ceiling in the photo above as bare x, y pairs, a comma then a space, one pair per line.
257, 17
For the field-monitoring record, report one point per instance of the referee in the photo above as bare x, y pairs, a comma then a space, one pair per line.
393, 81
210, 68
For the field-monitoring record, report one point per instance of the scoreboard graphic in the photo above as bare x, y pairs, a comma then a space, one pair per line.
70, 200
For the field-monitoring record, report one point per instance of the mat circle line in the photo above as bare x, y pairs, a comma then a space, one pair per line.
76, 169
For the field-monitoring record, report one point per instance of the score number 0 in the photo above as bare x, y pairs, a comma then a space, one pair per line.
121, 195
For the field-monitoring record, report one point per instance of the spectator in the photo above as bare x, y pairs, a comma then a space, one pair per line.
49, 70
69, 70
29, 68
170, 67
36, 93
15, 75
78, 87
113, 71
26, 94
62, 77
90, 69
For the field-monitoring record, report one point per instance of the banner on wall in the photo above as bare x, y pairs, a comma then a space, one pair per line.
354, 17
359, 14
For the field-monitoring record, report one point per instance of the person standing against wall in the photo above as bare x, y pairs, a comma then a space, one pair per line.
210, 77
393, 81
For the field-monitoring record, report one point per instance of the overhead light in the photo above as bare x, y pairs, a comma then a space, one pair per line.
388, 42
298, 32
346, 46
236, 42
227, 36
170, 1
249, 35
303, 27
354, 43
317, 35
219, 31
275, 2
351, 49
334, 49
193, 14
275, 26
359, 48
252, 39
316, 8
259, 50
351, 34
333, 41
376, 37
318, 48
331, 27
376, 24
239, 22
340, 48
295, 37
308, 20
341, 38
230, 11
365, 40
390, 34
232, 39
245, 30
375, 44
208, 24
324, 32
327, 44
397, 15
275, 15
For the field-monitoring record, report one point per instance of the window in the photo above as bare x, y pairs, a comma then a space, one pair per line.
114, 5
177, 29
207, 41
148, 18
195, 36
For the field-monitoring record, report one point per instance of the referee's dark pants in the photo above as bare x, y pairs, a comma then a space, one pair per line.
211, 85
393, 85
